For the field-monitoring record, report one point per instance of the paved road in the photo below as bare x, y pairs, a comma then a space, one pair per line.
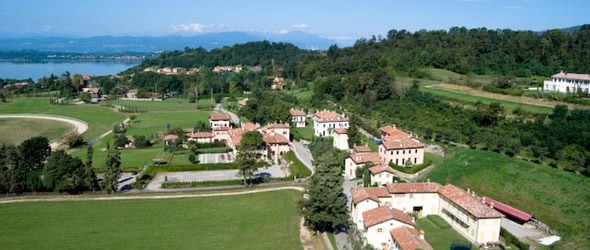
342, 238
303, 154
234, 118
79, 125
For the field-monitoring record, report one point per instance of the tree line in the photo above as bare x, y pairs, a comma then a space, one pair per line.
33, 167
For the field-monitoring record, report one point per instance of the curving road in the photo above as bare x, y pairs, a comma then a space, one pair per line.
79, 125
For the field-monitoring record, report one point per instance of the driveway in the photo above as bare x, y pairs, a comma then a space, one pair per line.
234, 118
303, 154
216, 158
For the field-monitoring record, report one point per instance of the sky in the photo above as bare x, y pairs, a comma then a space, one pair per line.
343, 19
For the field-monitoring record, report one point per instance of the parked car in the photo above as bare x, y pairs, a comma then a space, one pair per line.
261, 175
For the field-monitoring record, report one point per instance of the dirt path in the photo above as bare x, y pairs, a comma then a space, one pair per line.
79, 125
521, 99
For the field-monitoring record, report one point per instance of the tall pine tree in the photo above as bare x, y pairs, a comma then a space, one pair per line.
112, 171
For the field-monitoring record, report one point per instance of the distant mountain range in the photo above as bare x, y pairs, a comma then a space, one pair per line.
148, 44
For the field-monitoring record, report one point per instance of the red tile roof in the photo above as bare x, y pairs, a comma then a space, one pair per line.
394, 138
170, 137
420, 187
340, 130
216, 116
361, 158
468, 202
508, 210
571, 76
296, 112
408, 238
275, 139
362, 149
235, 136
222, 128
277, 125
373, 193
329, 116
380, 169
200, 135
248, 126
385, 213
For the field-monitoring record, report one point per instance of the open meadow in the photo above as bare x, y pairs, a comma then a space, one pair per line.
227, 222
15, 130
99, 119
171, 104
556, 197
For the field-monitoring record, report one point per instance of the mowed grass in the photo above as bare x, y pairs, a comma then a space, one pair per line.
99, 119
438, 237
171, 104
16, 130
306, 132
153, 122
464, 97
558, 198
267, 220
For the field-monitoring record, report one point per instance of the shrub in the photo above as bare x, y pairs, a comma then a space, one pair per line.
141, 141
74, 140
413, 169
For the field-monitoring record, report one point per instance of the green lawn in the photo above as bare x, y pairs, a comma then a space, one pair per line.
556, 197
171, 104
150, 123
440, 238
255, 221
15, 130
464, 97
332, 239
301, 94
306, 132
371, 143
297, 167
99, 119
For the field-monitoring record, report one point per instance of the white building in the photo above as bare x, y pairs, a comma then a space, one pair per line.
357, 160
324, 122
381, 175
399, 147
379, 222
463, 210
340, 139
297, 118
564, 82
217, 120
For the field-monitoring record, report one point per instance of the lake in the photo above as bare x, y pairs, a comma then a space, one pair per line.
38, 70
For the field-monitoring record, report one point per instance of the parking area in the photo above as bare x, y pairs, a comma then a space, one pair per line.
216, 158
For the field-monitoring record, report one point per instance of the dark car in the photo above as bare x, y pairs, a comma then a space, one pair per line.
261, 176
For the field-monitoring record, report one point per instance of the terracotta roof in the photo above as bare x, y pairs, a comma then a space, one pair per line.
243, 102
385, 213
508, 210
235, 136
360, 158
277, 125
200, 135
222, 128
380, 169
216, 116
329, 116
275, 139
296, 112
408, 238
571, 76
248, 126
170, 137
373, 193
394, 138
468, 202
420, 187
340, 130
362, 149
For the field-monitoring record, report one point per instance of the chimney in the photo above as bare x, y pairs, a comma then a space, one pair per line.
421, 234
427, 180
468, 190
491, 204
483, 200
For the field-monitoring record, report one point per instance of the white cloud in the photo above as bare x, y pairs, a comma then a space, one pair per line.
283, 31
300, 26
196, 27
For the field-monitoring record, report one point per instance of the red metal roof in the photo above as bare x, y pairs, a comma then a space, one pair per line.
508, 210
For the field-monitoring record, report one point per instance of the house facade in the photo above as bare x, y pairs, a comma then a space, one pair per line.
324, 122
381, 175
399, 147
564, 82
340, 139
217, 120
297, 118
356, 160
200, 137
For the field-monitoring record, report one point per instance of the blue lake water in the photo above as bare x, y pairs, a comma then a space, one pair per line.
38, 70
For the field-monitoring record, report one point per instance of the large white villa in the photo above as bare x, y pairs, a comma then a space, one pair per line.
324, 122
564, 82
382, 213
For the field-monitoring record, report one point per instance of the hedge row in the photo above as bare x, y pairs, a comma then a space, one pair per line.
192, 184
511, 239
413, 169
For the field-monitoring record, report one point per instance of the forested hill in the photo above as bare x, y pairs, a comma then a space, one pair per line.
249, 54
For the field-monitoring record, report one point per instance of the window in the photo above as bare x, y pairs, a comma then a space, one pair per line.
379, 230
416, 151
391, 152
415, 160
397, 152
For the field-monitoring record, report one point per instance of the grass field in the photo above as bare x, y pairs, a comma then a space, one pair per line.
171, 104
306, 132
440, 238
14, 131
464, 97
153, 122
255, 221
558, 198
99, 119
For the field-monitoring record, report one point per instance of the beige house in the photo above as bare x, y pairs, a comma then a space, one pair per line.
132, 94
324, 122
381, 175
357, 160
297, 118
379, 222
217, 119
200, 137
275, 137
340, 139
399, 147
278, 83
463, 210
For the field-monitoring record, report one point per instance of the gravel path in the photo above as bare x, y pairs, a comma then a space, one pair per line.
79, 125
